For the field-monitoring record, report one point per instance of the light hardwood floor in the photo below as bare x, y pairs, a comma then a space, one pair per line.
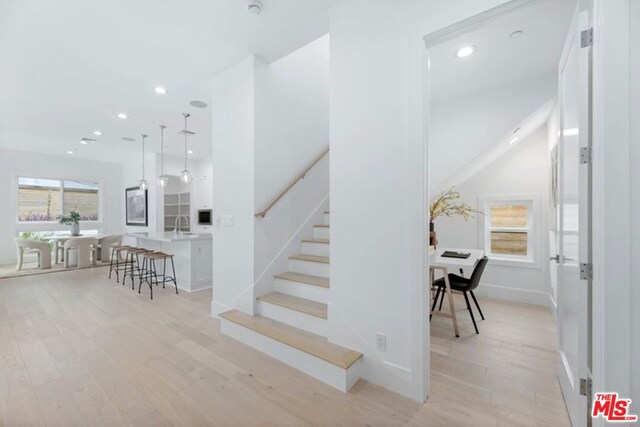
77, 349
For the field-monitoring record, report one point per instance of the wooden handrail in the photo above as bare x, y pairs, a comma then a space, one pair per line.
298, 177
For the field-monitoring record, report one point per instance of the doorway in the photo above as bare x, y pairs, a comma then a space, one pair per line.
500, 140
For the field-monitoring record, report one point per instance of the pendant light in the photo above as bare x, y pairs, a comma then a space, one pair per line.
163, 179
185, 175
143, 184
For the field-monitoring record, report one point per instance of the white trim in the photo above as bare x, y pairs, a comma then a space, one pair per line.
474, 22
512, 294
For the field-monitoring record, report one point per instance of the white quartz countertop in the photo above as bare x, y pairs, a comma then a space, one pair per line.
170, 236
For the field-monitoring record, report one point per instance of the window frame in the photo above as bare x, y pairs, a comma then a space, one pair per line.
533, 259
54, 225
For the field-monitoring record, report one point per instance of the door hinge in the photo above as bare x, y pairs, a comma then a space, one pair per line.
586, 385
586, 38
586, 155
586, 271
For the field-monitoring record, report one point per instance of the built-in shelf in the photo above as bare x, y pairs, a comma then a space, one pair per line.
177, 204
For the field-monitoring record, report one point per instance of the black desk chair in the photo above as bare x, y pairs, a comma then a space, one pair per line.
464, 285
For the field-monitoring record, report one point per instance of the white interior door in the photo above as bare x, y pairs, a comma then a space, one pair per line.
574, 225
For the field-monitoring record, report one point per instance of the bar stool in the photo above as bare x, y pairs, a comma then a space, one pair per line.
151, 276
133, 268
117, 266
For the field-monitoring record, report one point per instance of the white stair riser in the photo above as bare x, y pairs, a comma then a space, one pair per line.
327, 218
302, 290
309, 267
342, 379
321, 232
321, 249
299, 320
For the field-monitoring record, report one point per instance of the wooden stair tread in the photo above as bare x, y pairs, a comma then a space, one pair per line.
311, 258
323, 241
307, 342
291, 302
326, 212
322, 282
322, 225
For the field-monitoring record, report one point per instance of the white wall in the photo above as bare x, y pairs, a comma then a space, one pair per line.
233, 108
285, 106
378, 162
462, 128
523, 170
14, 163
291, 129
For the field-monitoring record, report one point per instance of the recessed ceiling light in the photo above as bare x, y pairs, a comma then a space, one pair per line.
97, 132
198, 104
571, 132
190, 151
122, 116
83, 141
516, 34
514, 139
160, 90
128, 139
465, 51
69, 151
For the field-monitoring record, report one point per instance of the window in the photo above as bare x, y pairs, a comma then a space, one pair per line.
42, 200
509, 231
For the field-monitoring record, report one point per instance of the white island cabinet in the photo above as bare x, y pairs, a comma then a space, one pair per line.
192, 253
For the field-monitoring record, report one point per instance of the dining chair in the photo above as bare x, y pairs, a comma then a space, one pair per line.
106, 244
43, 249
85, 248
463, 285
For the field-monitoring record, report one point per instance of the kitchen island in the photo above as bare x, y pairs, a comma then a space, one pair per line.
192, 253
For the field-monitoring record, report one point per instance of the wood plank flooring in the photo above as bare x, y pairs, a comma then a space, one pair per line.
77, 349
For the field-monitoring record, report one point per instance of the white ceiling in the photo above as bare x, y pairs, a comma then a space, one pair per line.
498, 59
68, 67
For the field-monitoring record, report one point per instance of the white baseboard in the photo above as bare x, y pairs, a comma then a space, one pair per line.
513, 294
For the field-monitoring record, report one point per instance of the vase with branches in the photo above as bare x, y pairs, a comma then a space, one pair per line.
73, 219
448, 204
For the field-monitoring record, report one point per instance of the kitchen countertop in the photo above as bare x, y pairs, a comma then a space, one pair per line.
170, 236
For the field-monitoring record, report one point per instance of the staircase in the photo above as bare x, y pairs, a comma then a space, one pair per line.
291, 322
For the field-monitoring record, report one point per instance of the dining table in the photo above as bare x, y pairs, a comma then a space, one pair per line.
59, 240
438, 262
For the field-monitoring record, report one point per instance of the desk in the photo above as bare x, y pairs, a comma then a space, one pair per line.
438, 262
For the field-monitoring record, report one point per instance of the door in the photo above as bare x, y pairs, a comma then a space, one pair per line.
574, 307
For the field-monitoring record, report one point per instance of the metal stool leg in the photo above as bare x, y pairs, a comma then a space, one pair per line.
174, 275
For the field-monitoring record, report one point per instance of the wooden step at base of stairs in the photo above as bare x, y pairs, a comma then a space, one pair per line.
322, 282
309, 353
291, 302
322, 225
311, 258
319, 241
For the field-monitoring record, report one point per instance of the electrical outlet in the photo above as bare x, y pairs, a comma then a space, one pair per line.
381, 342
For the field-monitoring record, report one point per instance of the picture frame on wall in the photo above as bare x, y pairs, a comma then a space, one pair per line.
136, 206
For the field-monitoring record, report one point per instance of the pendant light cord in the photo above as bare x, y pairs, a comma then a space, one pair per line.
143, 137
185, 140
162, 149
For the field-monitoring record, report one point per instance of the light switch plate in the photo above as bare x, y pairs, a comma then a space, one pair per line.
226, 220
